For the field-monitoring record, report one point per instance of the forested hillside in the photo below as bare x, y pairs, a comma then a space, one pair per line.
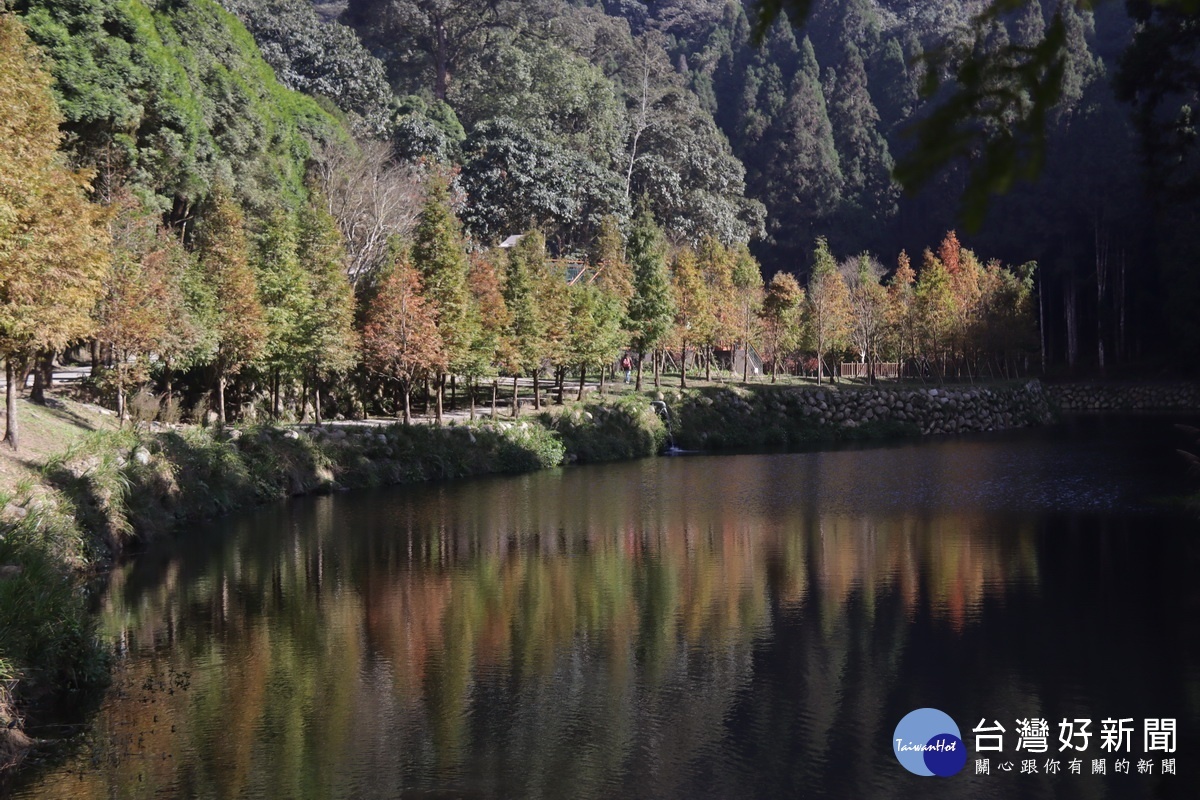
818, 115
276, 181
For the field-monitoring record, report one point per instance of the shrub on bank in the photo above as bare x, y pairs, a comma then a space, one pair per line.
626, 429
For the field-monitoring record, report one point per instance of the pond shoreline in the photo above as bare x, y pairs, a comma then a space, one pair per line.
117, 491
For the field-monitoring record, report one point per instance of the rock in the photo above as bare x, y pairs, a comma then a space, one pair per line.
291, 433
141, 456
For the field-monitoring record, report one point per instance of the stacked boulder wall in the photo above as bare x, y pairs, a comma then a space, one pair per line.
730, 417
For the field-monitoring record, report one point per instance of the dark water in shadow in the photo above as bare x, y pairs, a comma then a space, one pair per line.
704, 626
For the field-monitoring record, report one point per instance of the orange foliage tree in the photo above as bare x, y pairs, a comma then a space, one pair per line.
400, 339
53, 244
239, 321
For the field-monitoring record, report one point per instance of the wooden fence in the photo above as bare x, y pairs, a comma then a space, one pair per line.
858, 369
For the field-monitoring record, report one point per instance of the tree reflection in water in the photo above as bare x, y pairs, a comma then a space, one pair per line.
710, 626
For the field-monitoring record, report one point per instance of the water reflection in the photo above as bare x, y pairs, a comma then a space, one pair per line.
734, 626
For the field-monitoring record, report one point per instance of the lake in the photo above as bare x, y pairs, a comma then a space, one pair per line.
751, 625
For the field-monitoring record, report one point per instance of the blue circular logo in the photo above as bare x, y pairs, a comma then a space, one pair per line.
927, 742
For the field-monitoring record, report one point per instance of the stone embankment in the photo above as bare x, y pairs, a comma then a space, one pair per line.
1108, 397
933, 410
787, 416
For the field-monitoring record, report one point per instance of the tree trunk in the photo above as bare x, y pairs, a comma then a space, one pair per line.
425, 399
317, 399
537, 390
683, 366
516, 397
37, 394
495, 395
406, 400
708, 357
746, 362
602, 371
562, 378
820, 363
654, 357
11, 436
637, 387
471, 395
43, 376
440, 392
121, 403
582, 378
774, 366
95, 349
303, 398
220, 396
453, 392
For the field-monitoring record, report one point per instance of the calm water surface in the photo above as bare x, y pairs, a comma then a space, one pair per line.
703, 626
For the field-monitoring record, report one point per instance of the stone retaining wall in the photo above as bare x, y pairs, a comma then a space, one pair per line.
932, 410
792, 415
1102, 397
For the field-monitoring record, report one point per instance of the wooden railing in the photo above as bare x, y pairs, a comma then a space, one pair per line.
857, 369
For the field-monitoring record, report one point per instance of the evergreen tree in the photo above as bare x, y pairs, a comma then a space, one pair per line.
868, 305
595, 335
694, 317
1029, 27
142, 312
896, 95
609, 258
650, 309
869, 196
828, 307
285, 298
933, 306
901, 325
439, 256
748, 284
491, 348
780, 317
239, 322
527, 326
328, 342
806, 181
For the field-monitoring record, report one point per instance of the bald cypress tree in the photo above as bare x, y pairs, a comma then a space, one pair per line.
651, 310
239, 319
439, 256
53, 255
